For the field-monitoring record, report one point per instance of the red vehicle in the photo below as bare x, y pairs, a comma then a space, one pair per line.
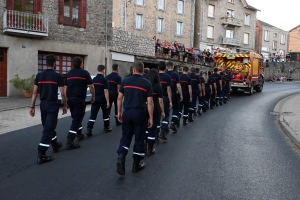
246, 69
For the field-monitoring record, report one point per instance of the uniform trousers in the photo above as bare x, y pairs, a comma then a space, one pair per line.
226, 91
193, 104
219, 95
185, 104
49, 112
113, 97
100, 102
165, 121
156, 122
134, 123
77, 109
207, 97
175, 101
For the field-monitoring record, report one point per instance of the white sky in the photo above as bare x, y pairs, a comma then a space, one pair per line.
284, 14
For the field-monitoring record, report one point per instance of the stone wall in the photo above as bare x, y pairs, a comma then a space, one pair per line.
126, 42
288, 69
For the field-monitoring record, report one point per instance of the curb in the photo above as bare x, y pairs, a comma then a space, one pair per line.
288, 131
15, 108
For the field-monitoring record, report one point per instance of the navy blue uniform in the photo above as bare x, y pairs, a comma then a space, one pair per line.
223, 87
185, 81
175, 96
213, 94
202, 96
113, 81
48, 83
77, 81
165, 81
195, 91
136, 90
157, 93
145, 76
227, 85
208, 84
100, 84
217, 78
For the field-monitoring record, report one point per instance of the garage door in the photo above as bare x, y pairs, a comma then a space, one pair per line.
3, 72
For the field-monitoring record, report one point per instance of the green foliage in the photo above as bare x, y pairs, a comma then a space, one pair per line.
23, 84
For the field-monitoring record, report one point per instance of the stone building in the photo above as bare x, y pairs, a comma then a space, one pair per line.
271, 40
32, 29
226, 23
294, 42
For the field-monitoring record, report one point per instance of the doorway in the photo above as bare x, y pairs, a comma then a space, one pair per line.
3, 72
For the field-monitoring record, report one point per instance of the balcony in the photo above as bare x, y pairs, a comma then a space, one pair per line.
232, 42
25, 24
230, 21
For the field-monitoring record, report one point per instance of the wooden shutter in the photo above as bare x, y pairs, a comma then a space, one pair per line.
38, 6
10, 4
61, 12
82, 16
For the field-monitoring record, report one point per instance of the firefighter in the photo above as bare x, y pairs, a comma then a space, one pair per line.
196, 88
228, 84
213, 102
146, 71
223, 87
136, 90
218, 80
114, 84
158, 112
101, 101
208, 89
76, 86
180, 71
201, 97
185, 82
47, 83
166, 82
176, 95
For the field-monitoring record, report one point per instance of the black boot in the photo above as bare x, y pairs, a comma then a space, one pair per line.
162, 135
57, 147
108, 129
199, 111
150, 151
42, 158
121, 164
71, 145
195, 113
190, 117
204, 108
80, 136
156, 139
137, 166
185, 122
89, 132
173, 127
221, 103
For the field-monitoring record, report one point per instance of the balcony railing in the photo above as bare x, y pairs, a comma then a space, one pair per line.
230, 21
232, 41
22, 23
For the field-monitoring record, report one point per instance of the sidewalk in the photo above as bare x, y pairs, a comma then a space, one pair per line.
12, 103
288, 110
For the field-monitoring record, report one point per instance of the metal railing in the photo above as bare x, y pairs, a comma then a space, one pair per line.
232, 21
16, 21
232, 41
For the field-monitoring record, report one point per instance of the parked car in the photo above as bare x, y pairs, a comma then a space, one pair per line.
88, 97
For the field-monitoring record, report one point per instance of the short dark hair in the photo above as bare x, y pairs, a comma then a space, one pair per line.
180, 69
138, 66
170, 65
197, 70
100, 68
146, 70
185, 69
162, 66
153, 76
50, 60
115, 67
221, 73
193, 69
77, 62
209, 73
215, 69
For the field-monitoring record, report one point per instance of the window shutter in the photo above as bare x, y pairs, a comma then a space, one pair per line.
38, 6
61, 12
82, 14
10, 4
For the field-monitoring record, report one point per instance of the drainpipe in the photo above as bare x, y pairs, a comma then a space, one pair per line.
125, 10
106, 32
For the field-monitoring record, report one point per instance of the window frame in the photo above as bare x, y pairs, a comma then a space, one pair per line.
162, 25
231, 33
274, 45
283, 36
230, 1
179, 22
143, 3
164, 5
267, 39
183, 2
247, 33
213, 31
82, 6
232, 12
214, 11
71, 8
142, 21
248, 20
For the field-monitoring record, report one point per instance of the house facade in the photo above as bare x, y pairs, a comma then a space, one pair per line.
271, 40
226, 23
293, 41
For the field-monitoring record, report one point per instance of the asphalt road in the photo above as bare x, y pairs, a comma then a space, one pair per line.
236, 151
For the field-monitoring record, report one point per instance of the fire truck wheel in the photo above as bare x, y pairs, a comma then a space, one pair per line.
259, 88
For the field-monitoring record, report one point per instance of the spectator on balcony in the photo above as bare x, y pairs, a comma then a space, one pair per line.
157, 46
165, 47
208, 56
229, 15
197, 55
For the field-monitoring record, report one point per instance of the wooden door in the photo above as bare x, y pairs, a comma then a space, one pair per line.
3, 72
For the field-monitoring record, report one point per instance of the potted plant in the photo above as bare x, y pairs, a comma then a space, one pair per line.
25, 84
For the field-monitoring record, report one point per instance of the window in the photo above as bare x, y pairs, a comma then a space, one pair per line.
140, 2
160, 25
210, 32
24, 6
275, 35
179, 28
180, 7
161, 4
231, 1
283, 39
267, 35
247, 19
230, 13
211, 11
72, 12
229, 33
246, 38
139, 21
274, 45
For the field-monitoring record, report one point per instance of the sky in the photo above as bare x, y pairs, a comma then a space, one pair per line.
284, 14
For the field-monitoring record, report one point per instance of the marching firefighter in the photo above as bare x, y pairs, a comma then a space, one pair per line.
202, 92
135, 90
223, 87
218, 80
196, 88
76, 86
208, 89
185, 82
213, 102
47, 83
101, 101
114, 84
